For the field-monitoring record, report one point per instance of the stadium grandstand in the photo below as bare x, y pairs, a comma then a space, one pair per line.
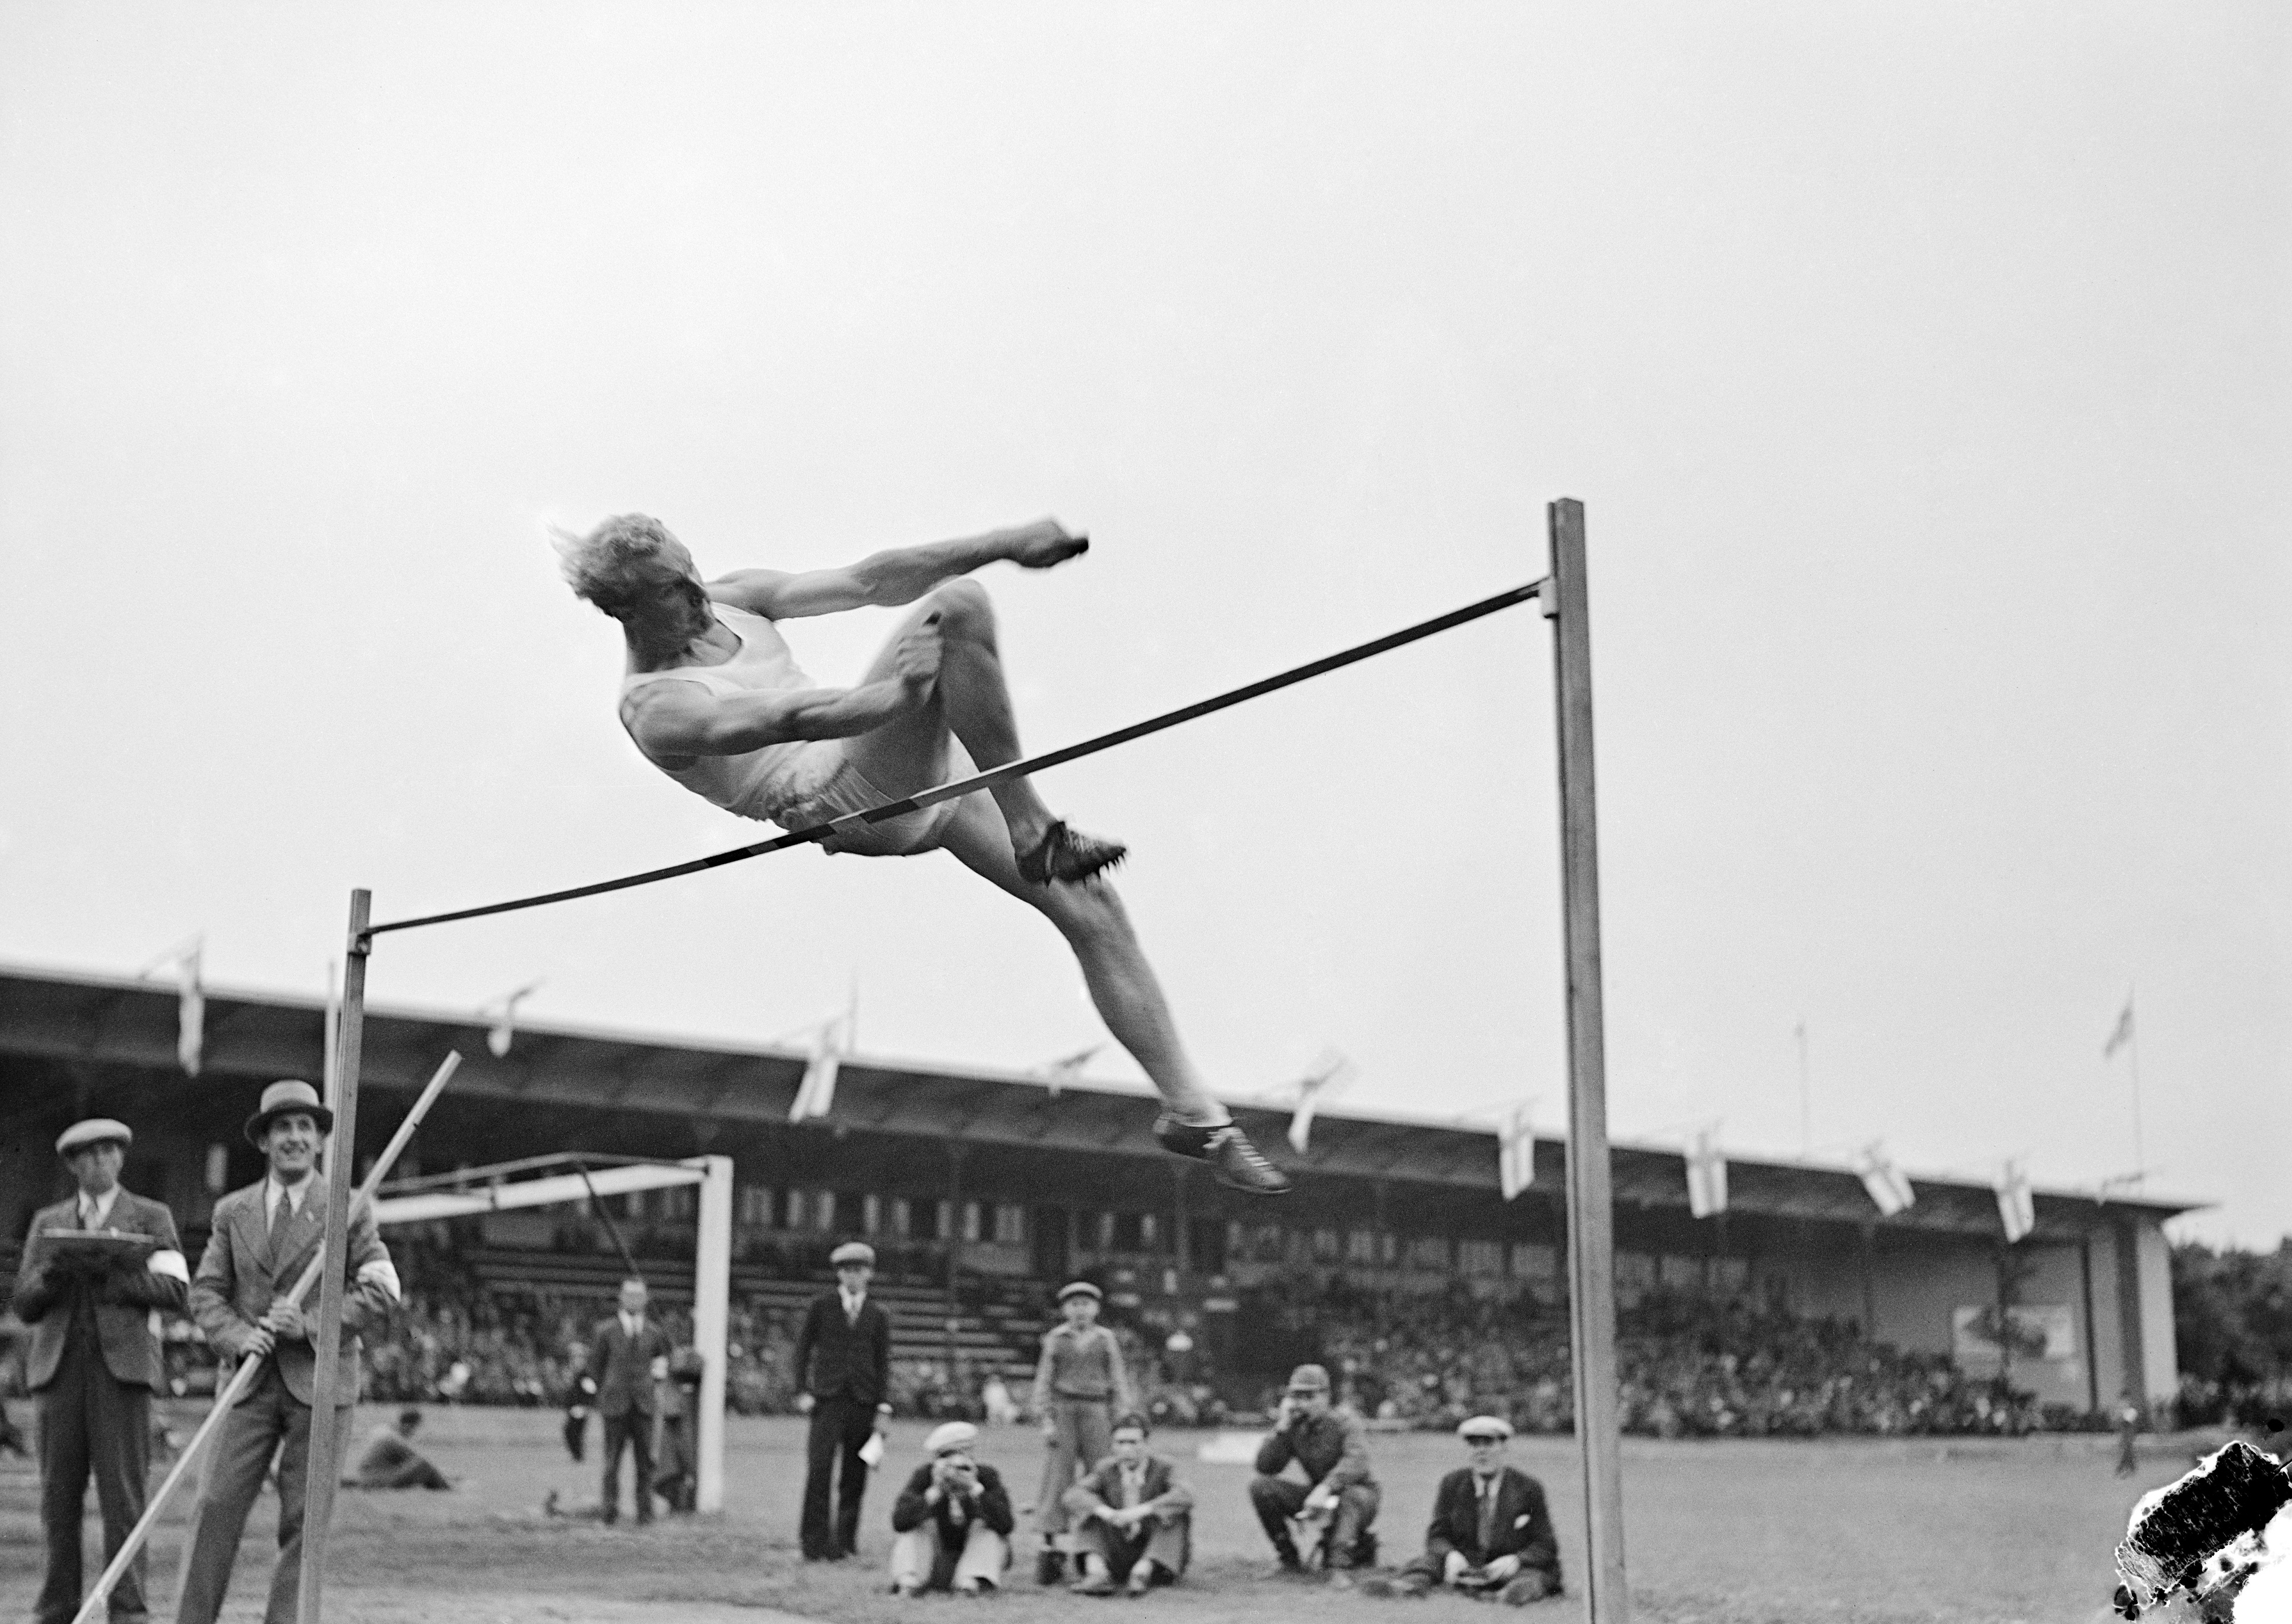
1797, 1309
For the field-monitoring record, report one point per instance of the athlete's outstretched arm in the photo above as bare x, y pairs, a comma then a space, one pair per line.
898, 575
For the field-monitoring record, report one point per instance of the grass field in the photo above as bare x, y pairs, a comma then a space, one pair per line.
1718, 1532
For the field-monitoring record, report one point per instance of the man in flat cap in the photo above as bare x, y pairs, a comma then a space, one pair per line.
952, 1520
1134, 1519
94, 1357
1491, 1535
1338, 1500
1080, 1386
261, 1240
622, 1350
843, 1369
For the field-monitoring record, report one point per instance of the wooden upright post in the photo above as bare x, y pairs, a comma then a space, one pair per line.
342, 1151
1591, 1213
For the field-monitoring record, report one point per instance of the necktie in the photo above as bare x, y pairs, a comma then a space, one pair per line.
281, 1210
1487, 1515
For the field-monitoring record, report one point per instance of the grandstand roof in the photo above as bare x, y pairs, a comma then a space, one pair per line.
72, 1018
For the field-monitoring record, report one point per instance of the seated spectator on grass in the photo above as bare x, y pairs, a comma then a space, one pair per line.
1132, 1518
1334, 1505
953, 1521
391, 1461
1491, 1535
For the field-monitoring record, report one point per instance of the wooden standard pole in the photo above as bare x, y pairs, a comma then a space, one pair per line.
342, 1151
1591, 1212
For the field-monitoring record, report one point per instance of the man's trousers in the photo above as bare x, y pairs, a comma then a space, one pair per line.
922, 1557
631, 1430
268, 1419
91, 1425
1169, 1543
840, 1426
1277, 1499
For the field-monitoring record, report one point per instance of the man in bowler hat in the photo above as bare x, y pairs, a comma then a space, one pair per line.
844, 1368
261, 1240
94, 1359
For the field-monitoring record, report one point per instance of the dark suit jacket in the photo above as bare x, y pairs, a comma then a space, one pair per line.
992, 1504
837, 1359
622, 1367
127, 1301
1169, 1498
240, 1277
1524, 1524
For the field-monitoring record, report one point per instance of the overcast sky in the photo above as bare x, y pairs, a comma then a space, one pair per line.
1924, 369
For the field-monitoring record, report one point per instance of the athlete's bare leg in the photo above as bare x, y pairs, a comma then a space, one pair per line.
985, 835
972, 700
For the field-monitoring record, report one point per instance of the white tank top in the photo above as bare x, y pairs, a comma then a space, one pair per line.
761, 782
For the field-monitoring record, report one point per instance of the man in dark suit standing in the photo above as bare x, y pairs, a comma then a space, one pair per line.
94, 1359
844, 1368
621, 1351
1491, 1535
260, 1241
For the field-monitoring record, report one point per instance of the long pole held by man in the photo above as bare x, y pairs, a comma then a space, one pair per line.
713, 699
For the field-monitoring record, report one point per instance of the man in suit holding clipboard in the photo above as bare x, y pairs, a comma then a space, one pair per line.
843, 1366
621, 1351
261, 1240
94, 1308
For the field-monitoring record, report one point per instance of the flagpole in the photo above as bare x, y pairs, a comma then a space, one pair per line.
2132, 1048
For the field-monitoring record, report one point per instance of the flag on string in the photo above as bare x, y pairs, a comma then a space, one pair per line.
1329, 1069
1065, 1068
1706, 1177
503, 1013
2016, 1204
831, 1041
1884, 1180
191, 1008
1516, 1150
2121, 1033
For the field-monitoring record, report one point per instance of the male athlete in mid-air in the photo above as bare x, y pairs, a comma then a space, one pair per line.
713, 699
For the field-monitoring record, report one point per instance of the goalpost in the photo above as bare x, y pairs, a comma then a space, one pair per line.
712, 1264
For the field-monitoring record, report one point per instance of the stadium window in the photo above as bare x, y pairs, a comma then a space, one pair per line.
1325, 1245
1681, 1273
971, 1220
218, 1168
755, 1207
1105, 1228
1730, 1275
677, 1203
1148, 1233
633, 1204
942, 1220
1429, 1252
1480, 1256
1530, 1261
871, 1214
1010, 1223
903, 1219
1360, 1246
1388, 1248
823, 1210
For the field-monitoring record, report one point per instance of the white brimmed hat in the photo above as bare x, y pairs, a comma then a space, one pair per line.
95, 1130
1080, 1287
1485, 1426
949, 1436
283, 1099
853, 1251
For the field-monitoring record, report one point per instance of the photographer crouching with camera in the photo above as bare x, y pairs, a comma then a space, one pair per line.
953, 1521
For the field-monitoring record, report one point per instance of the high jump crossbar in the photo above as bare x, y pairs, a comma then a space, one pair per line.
993, 775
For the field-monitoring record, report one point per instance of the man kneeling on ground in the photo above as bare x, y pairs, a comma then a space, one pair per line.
391, 1461
1491, 1535
1134, 1519
953, 1521
1337, 1501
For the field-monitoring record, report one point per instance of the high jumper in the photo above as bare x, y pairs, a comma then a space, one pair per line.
713, 697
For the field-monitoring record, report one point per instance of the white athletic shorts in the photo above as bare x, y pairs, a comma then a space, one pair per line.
826, 783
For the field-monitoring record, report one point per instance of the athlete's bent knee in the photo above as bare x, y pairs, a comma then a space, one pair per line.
964, 608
